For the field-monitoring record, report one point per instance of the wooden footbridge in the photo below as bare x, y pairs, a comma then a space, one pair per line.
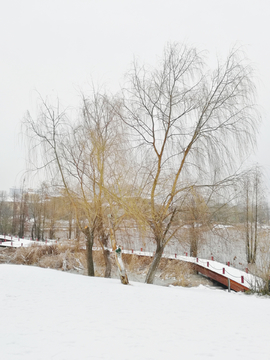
226, 275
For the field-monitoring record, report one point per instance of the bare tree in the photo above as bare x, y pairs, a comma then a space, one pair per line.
15, 211
101, 149
81, 158
188, 126
5, 214
23, 210
97, 159
49, 138
37, 213
253, 194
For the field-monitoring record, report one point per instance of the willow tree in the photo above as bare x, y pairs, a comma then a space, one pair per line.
78, 157
189, 126
98, 168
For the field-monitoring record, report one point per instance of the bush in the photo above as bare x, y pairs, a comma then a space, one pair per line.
67, 256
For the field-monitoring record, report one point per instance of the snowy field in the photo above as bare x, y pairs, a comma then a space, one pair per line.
48, 314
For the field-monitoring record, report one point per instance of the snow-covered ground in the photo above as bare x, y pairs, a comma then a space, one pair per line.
48, 314
15, 241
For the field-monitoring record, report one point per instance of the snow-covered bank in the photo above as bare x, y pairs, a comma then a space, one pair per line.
48, 314
16, 242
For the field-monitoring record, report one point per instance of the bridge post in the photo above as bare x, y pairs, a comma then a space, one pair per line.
229, 285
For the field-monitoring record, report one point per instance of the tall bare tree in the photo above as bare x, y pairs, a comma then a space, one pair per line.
189, 125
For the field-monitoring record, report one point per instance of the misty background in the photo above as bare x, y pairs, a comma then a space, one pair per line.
61, 48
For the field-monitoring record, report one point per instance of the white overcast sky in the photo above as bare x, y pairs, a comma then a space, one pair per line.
60, 46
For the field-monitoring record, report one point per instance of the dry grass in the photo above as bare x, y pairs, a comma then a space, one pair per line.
175, 268
137, 264
178, 270
98, 258
31, 255
65, 256
6, 255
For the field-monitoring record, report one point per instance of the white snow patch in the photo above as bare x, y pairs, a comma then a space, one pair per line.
48, 314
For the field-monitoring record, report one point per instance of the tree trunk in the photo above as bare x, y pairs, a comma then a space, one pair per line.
33, 230
107, 259
118, 256
193, 242
89, 251
106, 253
194, 248
154, 266
121, 266
256, 222
77, 232
70, 227
52, 230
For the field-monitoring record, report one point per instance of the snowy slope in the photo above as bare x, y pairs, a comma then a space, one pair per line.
48, 314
